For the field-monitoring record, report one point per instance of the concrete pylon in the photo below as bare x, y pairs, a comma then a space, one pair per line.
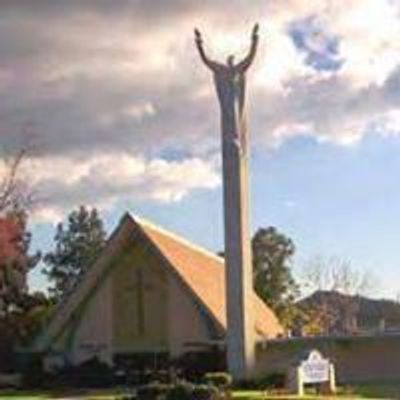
230, 84
238, 269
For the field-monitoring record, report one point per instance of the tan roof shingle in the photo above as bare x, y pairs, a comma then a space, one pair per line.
204, 273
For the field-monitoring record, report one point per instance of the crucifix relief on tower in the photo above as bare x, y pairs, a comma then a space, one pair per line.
230, 84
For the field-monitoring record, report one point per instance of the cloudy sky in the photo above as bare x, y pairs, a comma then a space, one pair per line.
120, 114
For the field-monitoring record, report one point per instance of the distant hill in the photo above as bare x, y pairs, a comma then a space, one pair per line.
346, 314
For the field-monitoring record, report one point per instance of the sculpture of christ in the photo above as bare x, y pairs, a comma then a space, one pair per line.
230, 83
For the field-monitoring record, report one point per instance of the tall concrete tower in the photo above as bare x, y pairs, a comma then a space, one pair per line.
230, 79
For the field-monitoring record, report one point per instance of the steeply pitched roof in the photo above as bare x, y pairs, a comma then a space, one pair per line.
201, 271
204, 273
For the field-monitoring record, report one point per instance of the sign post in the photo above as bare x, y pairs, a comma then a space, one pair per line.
314, 370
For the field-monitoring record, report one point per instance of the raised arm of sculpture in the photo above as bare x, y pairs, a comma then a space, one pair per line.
247, 61
199, 44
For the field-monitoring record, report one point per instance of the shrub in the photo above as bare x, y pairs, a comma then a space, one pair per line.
221, 380
194, 365
33, 374
92, 373
153, 391
205, 392
275, 380
181, 391
246, 385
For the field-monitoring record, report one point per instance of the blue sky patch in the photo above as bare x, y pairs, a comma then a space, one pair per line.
320, 46
173, 154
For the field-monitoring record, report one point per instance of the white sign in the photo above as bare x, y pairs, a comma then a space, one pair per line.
315, 368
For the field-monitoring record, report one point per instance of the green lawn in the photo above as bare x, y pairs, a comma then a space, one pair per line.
84, 395
369, 391
377, 392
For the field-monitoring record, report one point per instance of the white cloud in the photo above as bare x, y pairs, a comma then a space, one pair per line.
105, 180
388, 123
369, 32
107, 81
279, 60
140, 111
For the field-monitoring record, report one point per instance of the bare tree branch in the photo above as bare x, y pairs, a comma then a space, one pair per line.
15, 192
336, 274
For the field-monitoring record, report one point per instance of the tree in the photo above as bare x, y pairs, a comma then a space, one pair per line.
15, 302
16, 197
31, 318
21, 313
336, 286
15, 192
15, 260
273, 280
337, 275
77, 245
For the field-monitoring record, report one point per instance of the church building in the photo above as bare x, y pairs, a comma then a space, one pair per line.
150, 291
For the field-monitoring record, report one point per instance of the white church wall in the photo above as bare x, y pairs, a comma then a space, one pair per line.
185, 321
93, 336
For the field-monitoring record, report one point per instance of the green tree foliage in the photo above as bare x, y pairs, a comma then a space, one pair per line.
16, 197
15, 261
77, 245
273, 280
20, 325
20, 312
